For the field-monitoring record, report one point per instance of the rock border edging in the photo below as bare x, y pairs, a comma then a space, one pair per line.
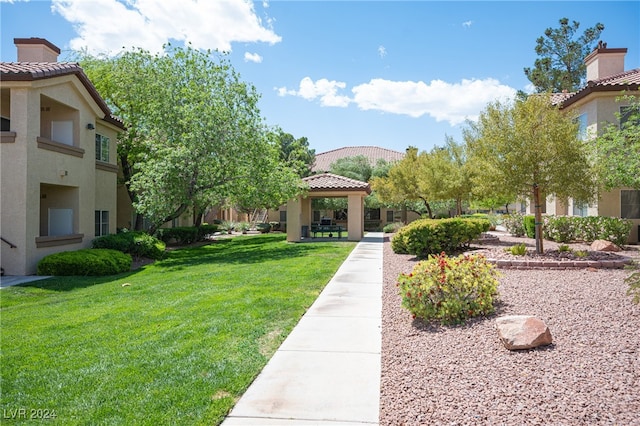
559, 264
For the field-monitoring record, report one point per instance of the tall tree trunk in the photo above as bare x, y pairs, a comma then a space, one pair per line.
127, 172
506, 206
538, 215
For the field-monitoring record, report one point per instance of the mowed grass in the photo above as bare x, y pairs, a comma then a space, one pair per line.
176, 342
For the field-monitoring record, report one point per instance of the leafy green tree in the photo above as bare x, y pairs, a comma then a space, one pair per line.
295, 152
530, 148
404, 185
447, 168
617, 149
194, 135
561, 52
357, 167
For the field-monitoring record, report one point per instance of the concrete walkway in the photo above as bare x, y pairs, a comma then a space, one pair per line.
327, 371
11, 280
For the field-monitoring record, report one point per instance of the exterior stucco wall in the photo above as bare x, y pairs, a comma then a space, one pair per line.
38, 174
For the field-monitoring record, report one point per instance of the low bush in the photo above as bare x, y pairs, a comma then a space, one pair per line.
514, 223
450, 290
431, 236
94, 262
136, 243
264, 228
530, 226
186, 234
278, 226
564, 229
392, 227
518, 250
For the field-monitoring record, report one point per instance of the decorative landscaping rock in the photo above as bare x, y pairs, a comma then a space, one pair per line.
522, 332
604, 245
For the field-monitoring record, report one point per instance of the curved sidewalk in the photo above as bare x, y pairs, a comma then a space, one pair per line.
327, 371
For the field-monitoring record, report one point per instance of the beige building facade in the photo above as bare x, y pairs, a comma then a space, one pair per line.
58, 158
597, 105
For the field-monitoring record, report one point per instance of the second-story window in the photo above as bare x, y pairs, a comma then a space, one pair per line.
102, 148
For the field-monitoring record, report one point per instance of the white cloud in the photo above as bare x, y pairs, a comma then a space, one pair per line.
451, 102
324, 90
252, 57
382, 51
106, 26
443, 101
467, 24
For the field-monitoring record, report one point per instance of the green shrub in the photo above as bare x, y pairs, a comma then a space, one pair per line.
430, 236
562, 248
227, 226
94, 262
277, 226
450, 290
183, 235
264, 228
562, 229
242, 227
518, 250
392, 227
530, 226
137, 244
612, 229
514, 223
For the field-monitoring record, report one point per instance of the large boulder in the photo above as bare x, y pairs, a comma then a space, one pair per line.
522, 332
604, 245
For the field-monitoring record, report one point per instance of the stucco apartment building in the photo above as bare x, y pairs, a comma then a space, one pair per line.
596, 105
58, 158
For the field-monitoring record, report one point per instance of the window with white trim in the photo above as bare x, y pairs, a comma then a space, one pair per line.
580, 209
102, 148
102, 222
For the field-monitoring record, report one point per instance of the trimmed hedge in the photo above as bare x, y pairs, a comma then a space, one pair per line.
94, 262
136, 243
434, 236
186, 234
530, 226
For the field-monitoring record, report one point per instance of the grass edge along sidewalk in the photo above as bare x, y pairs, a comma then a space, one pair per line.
176, 342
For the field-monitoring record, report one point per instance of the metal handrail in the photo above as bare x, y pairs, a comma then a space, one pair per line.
7, 242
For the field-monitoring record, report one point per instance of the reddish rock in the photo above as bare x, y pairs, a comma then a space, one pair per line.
522, 332
604, 245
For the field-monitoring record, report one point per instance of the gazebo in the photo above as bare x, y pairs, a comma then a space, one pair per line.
328, 185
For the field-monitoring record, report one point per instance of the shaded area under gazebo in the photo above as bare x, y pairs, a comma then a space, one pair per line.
327, 185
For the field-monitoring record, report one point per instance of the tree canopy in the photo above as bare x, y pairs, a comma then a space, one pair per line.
295, 152
530, 148
561, 52
617, 149
194, 135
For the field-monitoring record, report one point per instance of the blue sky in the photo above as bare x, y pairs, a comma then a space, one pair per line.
341, 73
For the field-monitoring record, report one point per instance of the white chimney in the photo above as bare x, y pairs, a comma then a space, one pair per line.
36, 49
604, 62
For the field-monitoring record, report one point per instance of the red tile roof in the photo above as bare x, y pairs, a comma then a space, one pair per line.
31, 71
628, 80
373, 153
329, 181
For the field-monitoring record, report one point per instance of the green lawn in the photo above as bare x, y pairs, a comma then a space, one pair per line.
176, 342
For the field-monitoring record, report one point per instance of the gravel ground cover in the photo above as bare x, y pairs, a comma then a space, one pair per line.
463, 375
